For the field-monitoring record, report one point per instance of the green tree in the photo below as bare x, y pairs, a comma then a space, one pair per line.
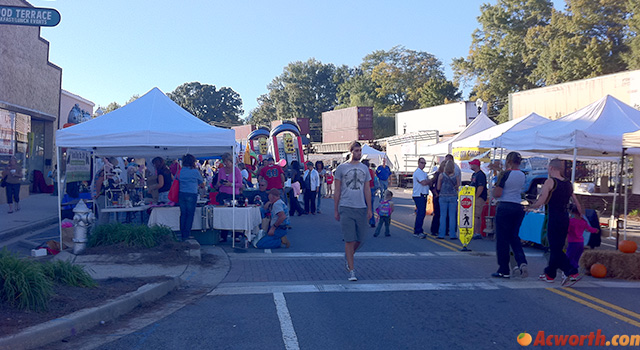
404, 77
585, 41
111, 107
133, 98
215, 106
303, 90
632, 56
496, 64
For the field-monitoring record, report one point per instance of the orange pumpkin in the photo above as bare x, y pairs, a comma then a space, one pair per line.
627, 246
598, 271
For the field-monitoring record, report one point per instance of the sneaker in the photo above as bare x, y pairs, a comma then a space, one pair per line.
417, 235
500, 275
352, 275
571, 280
546, 278
422, 236
524, 271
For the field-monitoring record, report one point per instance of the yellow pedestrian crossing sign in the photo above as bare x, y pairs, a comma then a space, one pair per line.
466, 205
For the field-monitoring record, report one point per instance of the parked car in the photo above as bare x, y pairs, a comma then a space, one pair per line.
535, 171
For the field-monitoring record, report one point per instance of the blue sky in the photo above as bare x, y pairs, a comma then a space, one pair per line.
111, 50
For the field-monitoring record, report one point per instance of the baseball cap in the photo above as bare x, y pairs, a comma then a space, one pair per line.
475, 161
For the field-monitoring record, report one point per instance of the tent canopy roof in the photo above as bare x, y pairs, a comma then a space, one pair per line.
490, 138
481, 123
153, 125
595, 131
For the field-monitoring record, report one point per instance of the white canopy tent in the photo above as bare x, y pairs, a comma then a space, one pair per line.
372, 154
592, 132
151, 126
490, 138
481, 123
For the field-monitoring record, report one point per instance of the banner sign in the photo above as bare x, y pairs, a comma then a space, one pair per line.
466, 205
78, 165
468, 153
29, 16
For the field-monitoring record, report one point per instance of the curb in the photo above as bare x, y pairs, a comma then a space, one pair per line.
11, 233
82, 320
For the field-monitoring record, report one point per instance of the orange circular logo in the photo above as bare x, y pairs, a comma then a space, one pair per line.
524, 339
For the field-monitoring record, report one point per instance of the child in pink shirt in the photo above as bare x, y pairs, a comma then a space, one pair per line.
577, 226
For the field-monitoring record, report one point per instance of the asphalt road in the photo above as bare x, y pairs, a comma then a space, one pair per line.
411, 294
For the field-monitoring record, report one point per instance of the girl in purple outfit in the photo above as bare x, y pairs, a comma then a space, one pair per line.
577, 226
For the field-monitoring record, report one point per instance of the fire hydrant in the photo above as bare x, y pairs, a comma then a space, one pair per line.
82, 219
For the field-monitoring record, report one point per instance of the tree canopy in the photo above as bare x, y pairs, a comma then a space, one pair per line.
222, 107
303, 90
524, 44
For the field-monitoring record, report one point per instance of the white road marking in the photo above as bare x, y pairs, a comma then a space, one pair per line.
473, 254
479, 284
286, 325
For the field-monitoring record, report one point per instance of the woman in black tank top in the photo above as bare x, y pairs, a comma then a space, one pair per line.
556, 193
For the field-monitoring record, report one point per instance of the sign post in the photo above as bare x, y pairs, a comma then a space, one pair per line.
29, 16
466, 205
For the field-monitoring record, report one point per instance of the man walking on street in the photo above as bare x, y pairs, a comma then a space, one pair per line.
383, 172
479, 181
352, 203
421, 184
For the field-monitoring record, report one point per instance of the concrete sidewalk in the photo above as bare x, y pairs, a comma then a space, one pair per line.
36, 211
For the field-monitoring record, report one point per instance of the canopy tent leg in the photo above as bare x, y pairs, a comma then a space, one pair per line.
573, 167
613, 208
59, 194
626, 199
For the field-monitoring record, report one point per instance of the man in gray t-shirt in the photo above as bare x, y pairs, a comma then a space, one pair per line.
352, 203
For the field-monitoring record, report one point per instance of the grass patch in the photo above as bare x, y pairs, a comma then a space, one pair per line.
129, 235
23, 283
65, 272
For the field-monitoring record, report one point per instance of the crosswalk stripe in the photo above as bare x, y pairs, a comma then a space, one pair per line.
385, 286
335, 255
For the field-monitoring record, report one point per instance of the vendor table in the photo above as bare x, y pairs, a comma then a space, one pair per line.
170, 217
247, 219
531, 228
140, 209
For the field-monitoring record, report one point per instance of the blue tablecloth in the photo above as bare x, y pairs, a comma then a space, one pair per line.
531, 228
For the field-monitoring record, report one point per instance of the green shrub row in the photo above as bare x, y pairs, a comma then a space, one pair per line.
129, 235
28, 285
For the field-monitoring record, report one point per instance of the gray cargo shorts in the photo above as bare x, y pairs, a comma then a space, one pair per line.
354, 223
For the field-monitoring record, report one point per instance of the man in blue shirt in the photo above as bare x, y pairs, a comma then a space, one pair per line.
383, 172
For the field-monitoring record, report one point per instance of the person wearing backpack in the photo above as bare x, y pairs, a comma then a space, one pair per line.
384, 210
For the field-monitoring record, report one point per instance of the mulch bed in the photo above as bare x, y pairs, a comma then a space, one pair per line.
67, 300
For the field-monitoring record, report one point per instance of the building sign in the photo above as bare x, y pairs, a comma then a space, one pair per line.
6, 133
78, 166
29, 16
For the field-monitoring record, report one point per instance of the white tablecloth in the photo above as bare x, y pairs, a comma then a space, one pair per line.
246, 219
170, 217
